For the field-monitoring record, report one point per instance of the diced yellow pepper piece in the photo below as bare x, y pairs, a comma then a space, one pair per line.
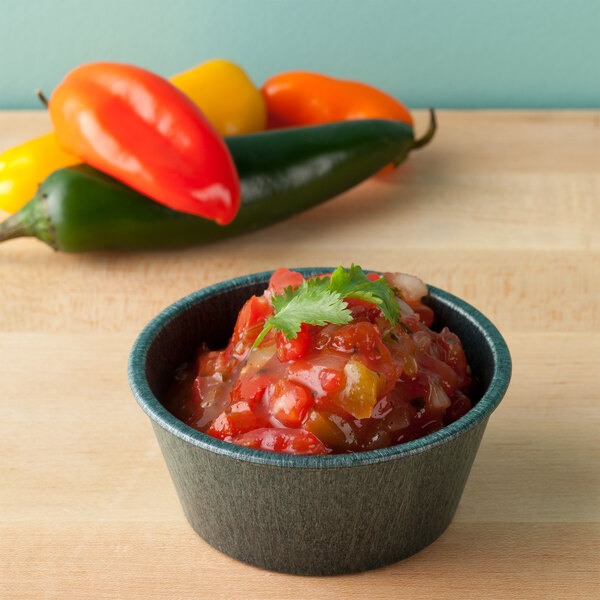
360, 393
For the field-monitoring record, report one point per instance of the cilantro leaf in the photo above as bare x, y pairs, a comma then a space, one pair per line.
313, 305
353, 283
314, 285
320, 300
313, 308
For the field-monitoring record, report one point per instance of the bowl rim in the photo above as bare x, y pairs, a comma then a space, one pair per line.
502, 368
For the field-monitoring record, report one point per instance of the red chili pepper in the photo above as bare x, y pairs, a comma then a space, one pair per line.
139, 128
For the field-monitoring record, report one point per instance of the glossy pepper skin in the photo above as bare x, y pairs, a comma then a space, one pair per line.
24, 167
282, 173
221, 89
299, 98
139, 128
226, 96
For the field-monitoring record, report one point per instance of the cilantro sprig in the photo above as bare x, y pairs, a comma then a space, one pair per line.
320, 300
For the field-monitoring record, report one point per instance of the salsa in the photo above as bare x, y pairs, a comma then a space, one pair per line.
357, 386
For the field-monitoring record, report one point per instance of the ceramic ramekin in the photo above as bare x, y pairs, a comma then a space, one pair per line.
312, 514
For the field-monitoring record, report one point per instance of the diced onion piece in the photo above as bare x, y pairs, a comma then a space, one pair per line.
259, 357
437, 401
360, 392
211, 401
405, 309
412, 288
422, 341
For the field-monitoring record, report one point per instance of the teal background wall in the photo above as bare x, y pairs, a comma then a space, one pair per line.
445, 53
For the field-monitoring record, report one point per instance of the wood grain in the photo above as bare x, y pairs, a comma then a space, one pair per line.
503, 210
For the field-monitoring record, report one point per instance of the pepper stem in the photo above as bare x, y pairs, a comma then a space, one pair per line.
42, 97
429, 133
13, 227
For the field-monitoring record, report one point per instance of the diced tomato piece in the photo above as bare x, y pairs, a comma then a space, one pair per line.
316, 369
221, 427
295, 348
240, 417
325, 336
345, 339
330, 380
251, 319
251, 387
244, 417
289, 402
373, 276
362, 337
289, 441
425, 313
284, 278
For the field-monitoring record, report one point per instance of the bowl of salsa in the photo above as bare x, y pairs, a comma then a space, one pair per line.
319, 421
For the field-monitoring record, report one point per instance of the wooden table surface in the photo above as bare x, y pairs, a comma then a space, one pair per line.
503, 210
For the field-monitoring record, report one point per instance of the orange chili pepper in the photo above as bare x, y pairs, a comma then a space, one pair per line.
298, 98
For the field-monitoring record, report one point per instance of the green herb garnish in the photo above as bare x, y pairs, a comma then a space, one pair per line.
320, 300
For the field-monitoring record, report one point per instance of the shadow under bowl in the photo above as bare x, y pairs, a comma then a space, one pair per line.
313, 515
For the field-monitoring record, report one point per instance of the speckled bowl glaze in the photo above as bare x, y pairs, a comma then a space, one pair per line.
314, 515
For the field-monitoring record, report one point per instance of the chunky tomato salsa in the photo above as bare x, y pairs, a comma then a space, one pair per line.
334, 388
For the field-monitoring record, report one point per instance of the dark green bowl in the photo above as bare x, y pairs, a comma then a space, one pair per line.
312, 514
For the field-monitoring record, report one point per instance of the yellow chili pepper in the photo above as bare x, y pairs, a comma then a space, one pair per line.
24, 167
226, 96
220, 88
